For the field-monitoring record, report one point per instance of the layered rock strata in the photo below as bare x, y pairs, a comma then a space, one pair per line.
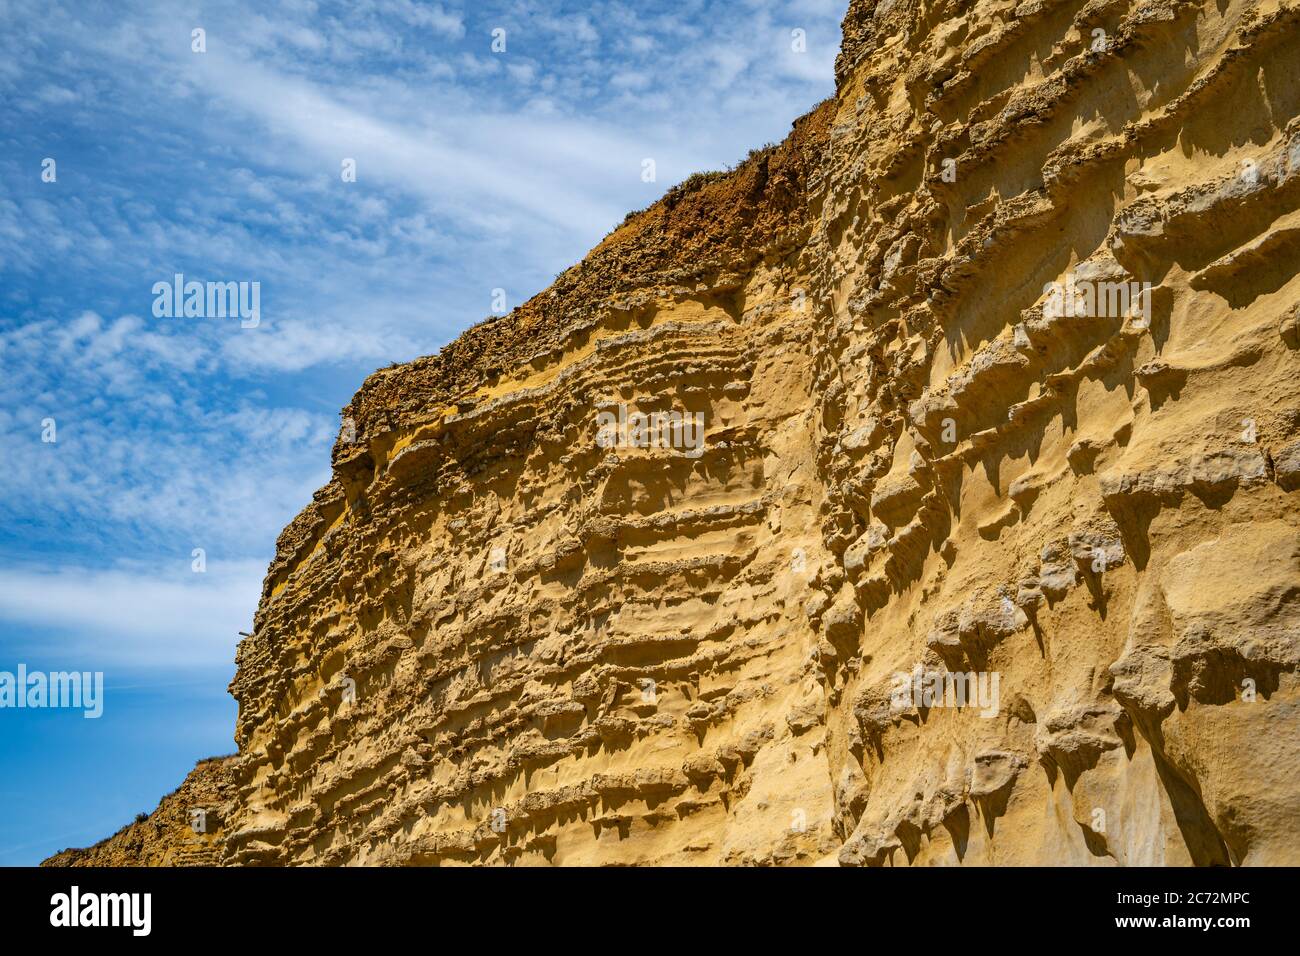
989, 548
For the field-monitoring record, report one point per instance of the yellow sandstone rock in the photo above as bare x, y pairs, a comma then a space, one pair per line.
996, 361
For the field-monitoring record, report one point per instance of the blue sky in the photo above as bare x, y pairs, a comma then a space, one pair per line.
475, 170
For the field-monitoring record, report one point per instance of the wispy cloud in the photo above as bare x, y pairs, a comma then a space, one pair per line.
132, 616
130, 436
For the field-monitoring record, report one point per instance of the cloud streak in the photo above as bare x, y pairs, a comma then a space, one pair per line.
131, 617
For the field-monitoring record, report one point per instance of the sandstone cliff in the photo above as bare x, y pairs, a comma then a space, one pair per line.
996, 358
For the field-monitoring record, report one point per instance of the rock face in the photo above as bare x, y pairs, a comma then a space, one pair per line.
987, 548
183, 831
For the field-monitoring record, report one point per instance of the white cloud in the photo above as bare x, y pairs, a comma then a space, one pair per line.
490, 161
134, 616
148, 438
296, 344
431, 15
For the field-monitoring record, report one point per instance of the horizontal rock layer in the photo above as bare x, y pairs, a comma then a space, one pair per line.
996, 363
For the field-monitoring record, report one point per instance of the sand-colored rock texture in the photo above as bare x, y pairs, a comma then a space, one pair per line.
997, 362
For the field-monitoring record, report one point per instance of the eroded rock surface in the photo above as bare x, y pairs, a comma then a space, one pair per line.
497, 636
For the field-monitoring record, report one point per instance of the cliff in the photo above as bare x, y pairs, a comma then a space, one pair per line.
989, 550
